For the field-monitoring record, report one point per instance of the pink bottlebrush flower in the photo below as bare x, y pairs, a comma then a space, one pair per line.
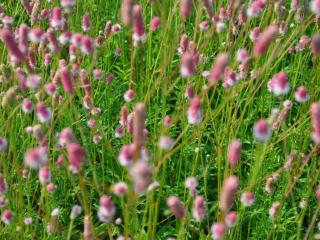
218, 68
154, 185
269, 188
243, 56
36, 35
95, 111
87, 102
65, 38
87, 228
68, 3
155, 23
139, 35
255, 8
167, 121
294, 5
315, 119
287, 104
3, 202
7, 21
107, 29
208, 7
229, 189
44, 13
44, 175
119, 132
223, 15
218, 230
265, 39
273, 211
126, 11
116, 28
204, 25
43, 113
262, 130
51, 187
72, 52
7, 217
126, 155
76, 211
86, 23
190, 92
247, 199
53, 41
120, 189
50, 88
56, 19
194, 112
124, 116
7, 37
3, 144
27, 105
191, 183
230, 78
47, 59
315, 44
176, 207
91, 123
315, 6
106, 210
118, 52
129, 95
76, 157
199, 208
36, 157
255, 34
75, 69
21, 78
65, 78
185, 8
141, 174
183, 45
76, 40
85, 81
231, 219
27, 220
279, 84
220, 26
318, 193
3, 185
165, 143
87, 45
187, 68
96, 138
205, 74
97, 74
234, 152
23, 38
110, 78
60, 160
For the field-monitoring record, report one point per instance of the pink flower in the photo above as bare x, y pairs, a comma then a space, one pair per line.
129, 95
301, 94
318, 193
167, 121
234, 152
218, 230
27, 105
192, 183
36, 157
97, 74
56, 19
231, 219
187, 68
33, 81
139, 35
44, 175
247, 199
76, 157
194, 112
255, 34
256, 8
315, 6
36, 35
50, 88
315, 44
155, 23
43, 113
262, 130
204, 25
120, 189
87, 45
86, 24
218, 68
165, 143
243, 56
199, 208
229, 189
6, 216
185, 8
65, 37
279, 84
91, 123
116, 28
76, 211
66, 81
176, 207
273, 211
315, 119
3, 185
126, 154
7, 37
106, 210
265, 39
141, 174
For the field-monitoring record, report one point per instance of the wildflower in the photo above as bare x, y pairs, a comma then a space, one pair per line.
86, 24
204, 25
27, 220
176, 207
120, 189
243, 56
265, 39
234, 152
198, 210
187, 68
256, 8
51, 187
218, 68
185, 8
315, 119
247, 199
231, 219
229, 189
106, 210
255, 34
7, 217
262, 130
273, 211
126, 11
191, 183
7, 37
141, 174
36, 157
116, 28
315, 7
165, 143
194, 112
167, 121
3, 186
44, 175
139, 35
87, 45
315, 44
301, 94
126, 154
65, 38
76, 211
76, 156
155, 23
129, 95
43, 113
56, 19
218, 230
